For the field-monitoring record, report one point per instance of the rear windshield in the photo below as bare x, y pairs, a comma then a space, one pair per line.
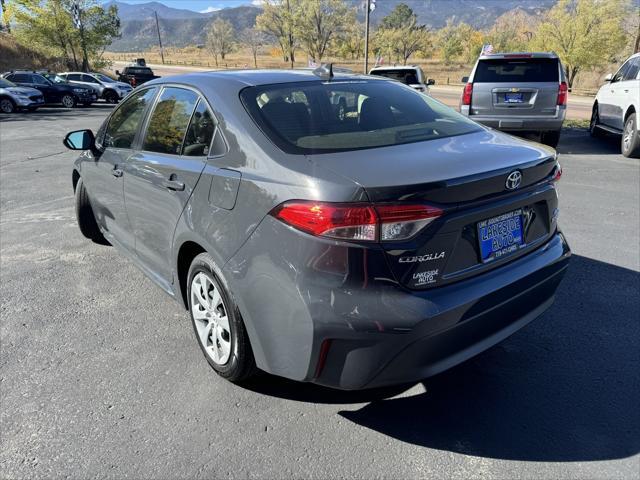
336, 116
517, 70
406, 76
139, 71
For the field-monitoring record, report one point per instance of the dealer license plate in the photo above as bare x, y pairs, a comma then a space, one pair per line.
500, 236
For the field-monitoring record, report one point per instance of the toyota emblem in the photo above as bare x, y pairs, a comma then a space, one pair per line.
514, 180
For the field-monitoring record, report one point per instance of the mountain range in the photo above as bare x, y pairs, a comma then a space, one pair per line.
180, 27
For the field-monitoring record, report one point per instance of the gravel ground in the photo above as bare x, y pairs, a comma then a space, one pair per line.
101, 376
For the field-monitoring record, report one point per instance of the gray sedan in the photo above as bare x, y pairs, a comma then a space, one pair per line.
378, 244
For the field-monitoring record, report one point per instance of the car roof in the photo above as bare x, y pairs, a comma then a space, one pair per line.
250, 78
396, 67
515, 55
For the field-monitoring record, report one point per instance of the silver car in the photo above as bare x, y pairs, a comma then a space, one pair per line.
106, 87
517, 92
13, 97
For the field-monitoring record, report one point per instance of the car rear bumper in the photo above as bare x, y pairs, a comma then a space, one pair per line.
521, 123
354, 327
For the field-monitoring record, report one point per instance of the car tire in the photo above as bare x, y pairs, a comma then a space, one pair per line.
594, 130
111, 97
68, 101
550, 138
217, 322
630, 143
84, 214
7, 105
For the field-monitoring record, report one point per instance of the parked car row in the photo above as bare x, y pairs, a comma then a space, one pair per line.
29, 90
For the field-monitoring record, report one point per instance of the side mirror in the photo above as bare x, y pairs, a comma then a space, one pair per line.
118, 72
80, 140
431, 81
464, 79
609, 77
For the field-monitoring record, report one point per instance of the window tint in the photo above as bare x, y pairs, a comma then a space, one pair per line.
632, 71
622, 71
407, 76
88, 79
124, 122
40, 80
517, 70
169, 121
75, 77
322, 117
20, 78
198, 139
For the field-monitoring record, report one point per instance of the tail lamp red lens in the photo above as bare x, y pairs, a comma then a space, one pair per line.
563, 91
467, 93
357, 221
557, 173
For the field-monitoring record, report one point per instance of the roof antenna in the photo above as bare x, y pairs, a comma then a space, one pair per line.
324, 71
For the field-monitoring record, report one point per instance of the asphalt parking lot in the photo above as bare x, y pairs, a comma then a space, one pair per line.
100, 375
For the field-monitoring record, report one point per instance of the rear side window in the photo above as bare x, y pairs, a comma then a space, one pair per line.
201, 129
517, 70
169, 121
125, 121
344, 115
76, 77
20, 78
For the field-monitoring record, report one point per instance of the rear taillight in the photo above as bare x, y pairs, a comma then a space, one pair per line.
562, 93
466, 94
356, 221
557, 173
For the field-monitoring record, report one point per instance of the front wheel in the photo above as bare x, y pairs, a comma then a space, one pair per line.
7, 105
630, 144
68, 101
217, 322
84, 214
551, 138
111, 97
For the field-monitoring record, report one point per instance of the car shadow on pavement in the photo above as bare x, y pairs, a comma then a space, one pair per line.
565, 388
578, 141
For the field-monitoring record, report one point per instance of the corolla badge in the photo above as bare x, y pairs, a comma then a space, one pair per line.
513, 180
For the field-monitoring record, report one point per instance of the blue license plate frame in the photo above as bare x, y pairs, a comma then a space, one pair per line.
500, 236
513, 98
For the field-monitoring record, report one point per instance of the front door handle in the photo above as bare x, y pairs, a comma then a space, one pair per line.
173, 184
116, 172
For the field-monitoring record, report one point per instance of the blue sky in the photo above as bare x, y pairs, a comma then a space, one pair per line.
198, 5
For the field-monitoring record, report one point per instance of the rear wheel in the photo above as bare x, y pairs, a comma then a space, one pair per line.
217, 322
630, 144
68, 101
594, 130
7, 105
550, 138
84, 215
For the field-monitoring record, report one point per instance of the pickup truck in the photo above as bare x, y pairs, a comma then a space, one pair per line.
135, 75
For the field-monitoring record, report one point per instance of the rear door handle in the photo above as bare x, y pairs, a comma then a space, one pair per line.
116, 172
173, 184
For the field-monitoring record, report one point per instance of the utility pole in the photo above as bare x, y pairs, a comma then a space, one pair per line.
366, 36
159, 38
77, 20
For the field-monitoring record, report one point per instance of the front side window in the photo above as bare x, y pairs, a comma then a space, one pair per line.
169, 121
125, 121
89, 79
40, 80
104, 78
515, 70
323, 117
76, 77
620, 74
632, 71
197, 142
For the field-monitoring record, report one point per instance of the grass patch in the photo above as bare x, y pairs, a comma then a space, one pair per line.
575, 123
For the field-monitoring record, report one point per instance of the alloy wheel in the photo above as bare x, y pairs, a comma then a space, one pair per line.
627, 136
67, 101
210, 317
6, 106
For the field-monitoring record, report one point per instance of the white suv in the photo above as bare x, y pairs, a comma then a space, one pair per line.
411, 75
617, 107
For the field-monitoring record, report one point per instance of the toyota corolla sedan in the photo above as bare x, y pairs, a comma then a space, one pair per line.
354, 249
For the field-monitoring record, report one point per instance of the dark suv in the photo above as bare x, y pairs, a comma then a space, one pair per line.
54, 92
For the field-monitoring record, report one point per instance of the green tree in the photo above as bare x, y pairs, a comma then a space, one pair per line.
220, 39
512, 31
400, 36
278, 20
584, 33
318, 21
254, 39
351, 43
450, 42
49, 27
400, 17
